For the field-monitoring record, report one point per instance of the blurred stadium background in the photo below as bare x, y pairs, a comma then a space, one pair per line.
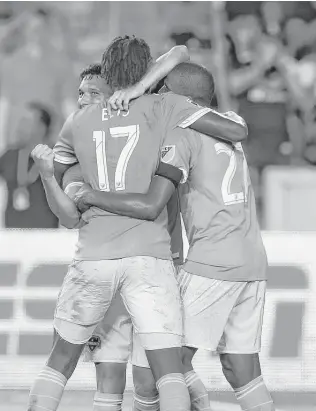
263, 57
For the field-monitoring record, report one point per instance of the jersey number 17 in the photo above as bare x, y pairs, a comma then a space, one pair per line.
132, 135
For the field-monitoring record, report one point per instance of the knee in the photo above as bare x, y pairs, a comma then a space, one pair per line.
187, 355
239, 370
144, 383
111, 377
64, 356
229, 370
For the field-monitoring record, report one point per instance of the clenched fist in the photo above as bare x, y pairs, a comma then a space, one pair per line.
43, 157
82, 198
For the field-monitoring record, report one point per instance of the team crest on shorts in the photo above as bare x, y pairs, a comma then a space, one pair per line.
167, 153
94, 342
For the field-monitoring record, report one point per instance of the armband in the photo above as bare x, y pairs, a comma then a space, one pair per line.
170, 172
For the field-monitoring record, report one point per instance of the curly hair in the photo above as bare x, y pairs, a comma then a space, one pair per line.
91, 71
125, 61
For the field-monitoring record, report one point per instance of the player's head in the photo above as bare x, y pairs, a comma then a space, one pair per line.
191, 80
125, 62
92, 89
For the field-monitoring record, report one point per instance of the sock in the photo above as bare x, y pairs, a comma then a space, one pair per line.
145, 403
173, 393
197, 391
47, 390
107, 402
255, 396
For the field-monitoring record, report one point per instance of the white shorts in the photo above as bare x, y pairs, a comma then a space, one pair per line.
223, 316
138, 356
150, 294
113, 336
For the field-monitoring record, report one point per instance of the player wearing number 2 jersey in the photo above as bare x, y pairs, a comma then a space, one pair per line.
223, 281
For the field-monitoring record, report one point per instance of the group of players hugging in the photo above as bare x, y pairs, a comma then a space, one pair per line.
128, 170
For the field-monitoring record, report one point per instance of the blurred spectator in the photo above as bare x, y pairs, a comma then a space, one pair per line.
35, 71
259, 90
26, 202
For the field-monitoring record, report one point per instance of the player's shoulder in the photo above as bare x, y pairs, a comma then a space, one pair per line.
148, 105
177, 99
147, 100
150, 97
90, 111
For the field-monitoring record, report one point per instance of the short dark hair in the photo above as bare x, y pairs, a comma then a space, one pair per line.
91, 71
192, 80
125, 61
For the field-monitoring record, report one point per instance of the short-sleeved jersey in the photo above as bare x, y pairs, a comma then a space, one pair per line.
121, 153
73, 180
218, 208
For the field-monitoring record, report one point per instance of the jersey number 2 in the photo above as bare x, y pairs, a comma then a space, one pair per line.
132, 134
230, 198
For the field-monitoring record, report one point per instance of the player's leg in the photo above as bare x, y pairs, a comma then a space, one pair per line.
109, 348
197, 390
111, 380
239, 348
146, 397
75, 320
151, 295
204, 321
49, 385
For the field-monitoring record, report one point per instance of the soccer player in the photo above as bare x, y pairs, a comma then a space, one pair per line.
110, 346
223, 281
120, 153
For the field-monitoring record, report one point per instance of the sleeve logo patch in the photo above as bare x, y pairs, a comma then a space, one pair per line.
168, 153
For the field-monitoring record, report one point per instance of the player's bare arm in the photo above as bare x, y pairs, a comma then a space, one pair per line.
228, 126
146, 206
163, 65
61, 205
